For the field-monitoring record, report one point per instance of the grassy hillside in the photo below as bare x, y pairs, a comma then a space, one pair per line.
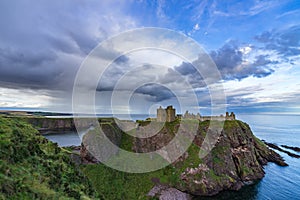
33, 168
113, 184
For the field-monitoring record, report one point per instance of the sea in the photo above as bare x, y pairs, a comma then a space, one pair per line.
279, 183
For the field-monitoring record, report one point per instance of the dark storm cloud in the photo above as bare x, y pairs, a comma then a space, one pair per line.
26, 68
155, 92
11, 57
285, 42
35, 44
61, 44
42, 44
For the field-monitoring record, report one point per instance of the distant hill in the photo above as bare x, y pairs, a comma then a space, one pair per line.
31, 113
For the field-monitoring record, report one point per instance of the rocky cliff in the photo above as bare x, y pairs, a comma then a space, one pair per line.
237, 158
44, 124
95, 143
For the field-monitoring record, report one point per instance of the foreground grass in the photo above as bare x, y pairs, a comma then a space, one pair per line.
114, 184
31, 167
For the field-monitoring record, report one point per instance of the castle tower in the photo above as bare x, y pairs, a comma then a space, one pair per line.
232, 116
166, 115
227, 115
170, 114
161, 114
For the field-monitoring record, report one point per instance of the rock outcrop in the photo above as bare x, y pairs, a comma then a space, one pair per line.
274, 146
236, 160
94, 147
168, 193
297, 149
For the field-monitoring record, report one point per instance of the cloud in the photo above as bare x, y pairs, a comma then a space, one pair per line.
43, 44
252, 94
160, 13
232, 63
196, 27
155, 92
25, 98
227, 57
247, 8
27, 68
285, 42
156, 84
186, 68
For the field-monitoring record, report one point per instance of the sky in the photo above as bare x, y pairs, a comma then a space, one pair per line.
255, 45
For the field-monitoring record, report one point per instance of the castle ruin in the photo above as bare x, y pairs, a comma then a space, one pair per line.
169, 115
166, 115
188, 115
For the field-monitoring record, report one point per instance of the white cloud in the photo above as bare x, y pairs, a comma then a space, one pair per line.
249, 8
245, 49
196, 27
274, 88
23, 98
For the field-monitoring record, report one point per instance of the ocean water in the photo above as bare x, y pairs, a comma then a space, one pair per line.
279, 183
63, 139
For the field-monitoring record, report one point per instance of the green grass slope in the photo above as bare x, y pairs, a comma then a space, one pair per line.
31, 167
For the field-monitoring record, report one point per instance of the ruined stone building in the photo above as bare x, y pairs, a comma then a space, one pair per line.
188, 115
169, 115
230, 117
166, 115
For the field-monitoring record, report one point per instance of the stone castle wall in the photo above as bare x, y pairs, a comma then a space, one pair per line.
169, 115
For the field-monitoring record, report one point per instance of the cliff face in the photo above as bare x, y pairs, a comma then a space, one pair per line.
44, 124
236, 159
95, 143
